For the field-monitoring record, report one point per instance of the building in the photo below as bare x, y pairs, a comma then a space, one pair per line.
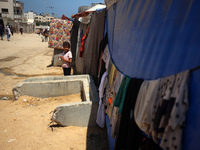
12, 12
44, 17
30, 16
18, 10
7, 9
11, 9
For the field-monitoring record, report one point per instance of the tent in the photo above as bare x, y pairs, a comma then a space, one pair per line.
87, 62
155, 39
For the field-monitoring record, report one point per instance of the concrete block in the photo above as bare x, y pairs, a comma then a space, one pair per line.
56, 53
78, 114
81, 114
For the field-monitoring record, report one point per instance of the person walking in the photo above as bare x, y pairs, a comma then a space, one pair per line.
12, 30
45, 35
39, 30
66, 58
1, 31
21, 30
8, 33
8, 25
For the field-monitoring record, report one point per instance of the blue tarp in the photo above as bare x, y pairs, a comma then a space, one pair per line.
154, 39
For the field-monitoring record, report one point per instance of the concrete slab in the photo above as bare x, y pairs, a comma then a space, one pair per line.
78, 114
81, 114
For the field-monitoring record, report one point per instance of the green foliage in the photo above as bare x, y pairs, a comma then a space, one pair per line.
42, 23
37, 23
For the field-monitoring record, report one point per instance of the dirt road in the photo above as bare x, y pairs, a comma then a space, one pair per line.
25, 124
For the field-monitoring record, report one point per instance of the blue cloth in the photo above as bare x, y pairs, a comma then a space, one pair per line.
109, 130
8, 35
100, 9
155, 39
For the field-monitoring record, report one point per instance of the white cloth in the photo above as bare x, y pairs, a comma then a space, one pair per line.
9, 32
172, 136
85, 20
146, 99
101, 86
169, 111
106, 56
101, 115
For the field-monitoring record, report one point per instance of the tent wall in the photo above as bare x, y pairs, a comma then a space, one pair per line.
87, 64
154, 39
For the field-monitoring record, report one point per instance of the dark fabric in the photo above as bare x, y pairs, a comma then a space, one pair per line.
67, 71
101, 63
91, 54
148, 144
122, 140
134, 135
164, 110
73, 41
103, 43
1, 29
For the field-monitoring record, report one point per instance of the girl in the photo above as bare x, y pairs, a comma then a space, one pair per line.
66, 59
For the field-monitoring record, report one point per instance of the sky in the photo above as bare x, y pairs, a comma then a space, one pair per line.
58, 7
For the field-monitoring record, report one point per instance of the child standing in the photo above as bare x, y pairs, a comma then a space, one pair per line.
66, 59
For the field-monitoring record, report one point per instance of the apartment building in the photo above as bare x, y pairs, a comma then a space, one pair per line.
30, 16
11, 9
18, 10
45, 17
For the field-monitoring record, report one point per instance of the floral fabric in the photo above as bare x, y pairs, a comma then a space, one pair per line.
59, 32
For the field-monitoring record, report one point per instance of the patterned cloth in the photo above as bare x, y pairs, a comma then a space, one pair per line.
170, 114
59, 32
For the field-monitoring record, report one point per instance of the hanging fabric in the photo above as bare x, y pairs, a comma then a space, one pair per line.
170, 114
120, 97
130, 96
145, 104
83, 42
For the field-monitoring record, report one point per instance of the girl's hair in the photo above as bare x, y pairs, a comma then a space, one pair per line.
66, 43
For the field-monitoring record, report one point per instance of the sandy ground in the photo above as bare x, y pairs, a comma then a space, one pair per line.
25, 123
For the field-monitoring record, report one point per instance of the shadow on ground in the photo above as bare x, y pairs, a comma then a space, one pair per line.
97, 137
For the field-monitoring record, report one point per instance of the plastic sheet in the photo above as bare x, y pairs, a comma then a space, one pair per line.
153, 39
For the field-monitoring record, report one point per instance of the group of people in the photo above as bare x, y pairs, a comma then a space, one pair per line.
9, 31
66, 57
44, 34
